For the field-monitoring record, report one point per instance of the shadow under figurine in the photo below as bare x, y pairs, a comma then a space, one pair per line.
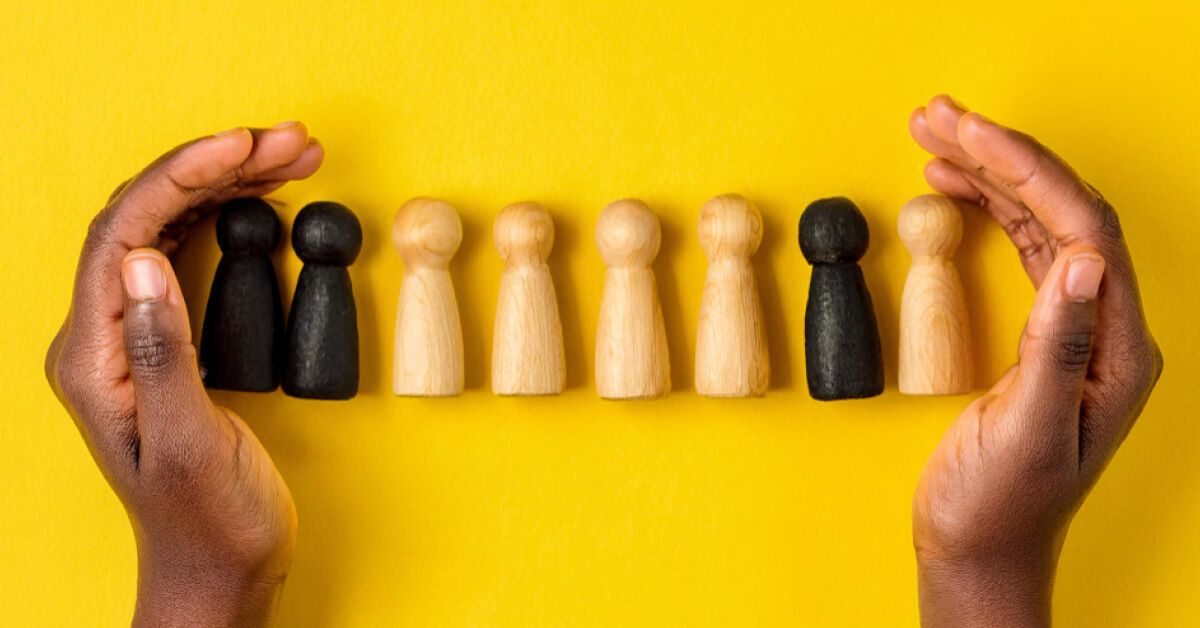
841, 338
241, 342
322, 331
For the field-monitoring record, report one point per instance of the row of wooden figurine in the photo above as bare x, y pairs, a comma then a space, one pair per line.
843, 352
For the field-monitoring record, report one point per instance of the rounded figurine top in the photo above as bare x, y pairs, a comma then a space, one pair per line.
326, 233
833, 230
730, 225
524, 232
427, 232
930, 225
248, 225
628, 234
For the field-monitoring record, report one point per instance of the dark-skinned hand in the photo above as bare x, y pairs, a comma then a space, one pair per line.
992, 508
213, 520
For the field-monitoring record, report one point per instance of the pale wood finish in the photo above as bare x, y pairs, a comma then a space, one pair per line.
527, 349
731, 339
428, 343
632, 360
935, 331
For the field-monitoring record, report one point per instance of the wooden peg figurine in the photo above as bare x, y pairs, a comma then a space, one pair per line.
429, 345
731, 341
841, 338
527, 350
935, 331
242, 343
631, 341
322, 354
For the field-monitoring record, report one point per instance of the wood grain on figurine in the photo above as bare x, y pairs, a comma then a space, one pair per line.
322, 353
527, 348
428, 342
841, 338
731, 339
935, 330
632, 361
242, 341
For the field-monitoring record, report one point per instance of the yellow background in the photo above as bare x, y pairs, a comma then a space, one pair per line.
572, 511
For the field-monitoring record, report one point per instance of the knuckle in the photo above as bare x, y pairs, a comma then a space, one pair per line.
100, 228
1110, 222
152, 353
1150, 369
1072, 351
50, 363
70, 375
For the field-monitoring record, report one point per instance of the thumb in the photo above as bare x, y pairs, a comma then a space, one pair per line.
158, 346
1057, 347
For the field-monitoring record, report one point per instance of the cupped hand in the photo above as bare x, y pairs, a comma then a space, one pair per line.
992, 508
213, 519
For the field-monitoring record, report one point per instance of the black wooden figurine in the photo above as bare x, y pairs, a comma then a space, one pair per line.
241, 343
841, 339
322, 353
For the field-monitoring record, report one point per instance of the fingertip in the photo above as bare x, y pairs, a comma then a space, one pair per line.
303, 167
944, 115
312, 157
275, 147
947, 101
949, 179
917, 123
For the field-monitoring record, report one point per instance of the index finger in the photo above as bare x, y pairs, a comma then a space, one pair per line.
167, 190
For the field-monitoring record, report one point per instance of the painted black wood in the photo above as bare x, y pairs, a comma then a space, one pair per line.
322, 352
841, 338
241, 342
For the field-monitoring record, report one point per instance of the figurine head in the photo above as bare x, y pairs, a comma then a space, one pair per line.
730, 226
833, 230
326, 233
628, 234
427, 232
930, 225
524, 233
249, 226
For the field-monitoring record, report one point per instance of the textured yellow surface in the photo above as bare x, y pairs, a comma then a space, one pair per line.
569, 510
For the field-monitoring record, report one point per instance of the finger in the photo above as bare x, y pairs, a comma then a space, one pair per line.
938, 124
922, 133
274, 148
1034, 246
301, 168
1057, 349
170, 187
158, 196
169, 191
172, 406
949, 179
1069, 208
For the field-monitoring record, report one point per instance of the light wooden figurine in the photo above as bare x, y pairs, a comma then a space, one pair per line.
527, 350
428, 343
631, 341
935, 333
731, 340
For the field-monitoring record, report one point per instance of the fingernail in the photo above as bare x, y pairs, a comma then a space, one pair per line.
1084, 273
144, 278
286, 125
234, 131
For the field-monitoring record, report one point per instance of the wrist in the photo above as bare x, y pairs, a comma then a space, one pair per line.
992, 590
178, 595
